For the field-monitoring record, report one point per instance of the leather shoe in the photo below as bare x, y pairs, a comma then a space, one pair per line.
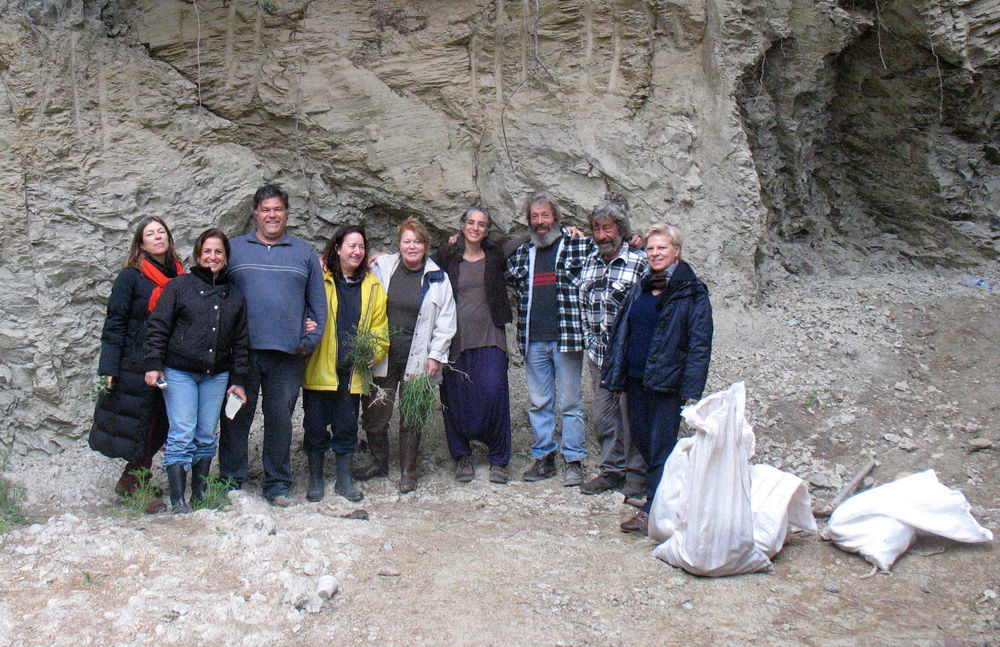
464, 472
638, 524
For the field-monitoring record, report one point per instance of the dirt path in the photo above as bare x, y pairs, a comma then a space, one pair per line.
837, 371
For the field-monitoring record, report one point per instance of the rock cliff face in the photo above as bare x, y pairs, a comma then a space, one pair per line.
782, 136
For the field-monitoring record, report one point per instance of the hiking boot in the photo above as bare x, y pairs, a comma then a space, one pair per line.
638, 524
177, 475
315, 491
574, 474
498, 474
544, 468
345, 486
602, 483
464, 472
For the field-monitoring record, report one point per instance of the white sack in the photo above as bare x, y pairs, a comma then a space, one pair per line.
778, 499
663, 511
882, 522
713, 528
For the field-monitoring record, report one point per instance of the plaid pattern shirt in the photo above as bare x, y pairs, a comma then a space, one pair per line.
570, 257
604, 285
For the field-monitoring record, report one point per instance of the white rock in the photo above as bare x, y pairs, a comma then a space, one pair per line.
327, 586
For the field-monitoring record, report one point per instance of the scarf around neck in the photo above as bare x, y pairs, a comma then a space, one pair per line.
158, 274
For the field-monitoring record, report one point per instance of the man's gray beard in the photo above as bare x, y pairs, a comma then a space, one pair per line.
547, 239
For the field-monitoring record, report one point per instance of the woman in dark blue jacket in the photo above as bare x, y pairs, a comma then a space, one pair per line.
659, 354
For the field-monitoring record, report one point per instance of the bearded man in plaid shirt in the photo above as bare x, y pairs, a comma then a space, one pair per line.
544, 273
607, 276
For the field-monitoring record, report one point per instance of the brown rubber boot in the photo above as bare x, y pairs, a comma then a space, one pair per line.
409, 447
378, 445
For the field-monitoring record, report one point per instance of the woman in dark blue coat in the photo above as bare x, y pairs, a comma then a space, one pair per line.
130, 421
659, 354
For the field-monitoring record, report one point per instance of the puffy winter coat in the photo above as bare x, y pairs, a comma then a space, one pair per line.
436, 320
122, 417
321, 369
681, 348
200, 326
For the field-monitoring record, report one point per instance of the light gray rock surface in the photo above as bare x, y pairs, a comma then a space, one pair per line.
783, 137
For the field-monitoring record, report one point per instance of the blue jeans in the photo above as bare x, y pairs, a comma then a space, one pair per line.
194, 402
544, 368
279, 376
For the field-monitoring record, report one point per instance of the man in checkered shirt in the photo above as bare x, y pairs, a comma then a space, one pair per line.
607, 277
544, 272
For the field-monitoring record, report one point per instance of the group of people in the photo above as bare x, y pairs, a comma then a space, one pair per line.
262, 316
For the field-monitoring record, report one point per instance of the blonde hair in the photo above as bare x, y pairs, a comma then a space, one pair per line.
672, 233
416, 227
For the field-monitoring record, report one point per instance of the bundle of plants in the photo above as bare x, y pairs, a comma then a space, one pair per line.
417, 402
362, 352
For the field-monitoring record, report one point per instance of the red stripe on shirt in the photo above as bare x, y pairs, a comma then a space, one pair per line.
545, 278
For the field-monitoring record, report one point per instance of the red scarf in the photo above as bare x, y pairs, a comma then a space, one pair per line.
159, 279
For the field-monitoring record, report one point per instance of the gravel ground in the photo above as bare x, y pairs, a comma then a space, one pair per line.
899, 367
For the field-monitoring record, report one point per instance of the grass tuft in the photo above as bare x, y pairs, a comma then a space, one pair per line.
11, 498
137, 500
216, 493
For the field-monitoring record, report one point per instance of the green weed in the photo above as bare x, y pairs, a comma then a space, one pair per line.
11, 498
216, 493
136, 501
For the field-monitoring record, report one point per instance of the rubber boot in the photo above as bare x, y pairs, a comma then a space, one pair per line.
315, 491
199, 472
345, 483
409, 446
177, 476
378, 445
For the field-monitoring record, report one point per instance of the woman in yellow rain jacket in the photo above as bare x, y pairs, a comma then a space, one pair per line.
355, 339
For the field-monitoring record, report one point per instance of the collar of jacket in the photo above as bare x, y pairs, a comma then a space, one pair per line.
206, 275
683, 278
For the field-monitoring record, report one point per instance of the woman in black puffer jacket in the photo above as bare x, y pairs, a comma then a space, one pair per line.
130, 421
197, 336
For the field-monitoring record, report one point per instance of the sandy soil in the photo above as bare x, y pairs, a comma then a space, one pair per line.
900, 367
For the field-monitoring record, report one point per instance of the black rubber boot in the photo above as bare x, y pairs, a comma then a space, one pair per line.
177, 476
199, 472
345, 486
315, 491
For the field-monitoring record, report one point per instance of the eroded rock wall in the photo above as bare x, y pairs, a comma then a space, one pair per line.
758, 126
874, 134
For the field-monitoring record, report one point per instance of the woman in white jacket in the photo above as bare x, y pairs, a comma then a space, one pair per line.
422, 322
